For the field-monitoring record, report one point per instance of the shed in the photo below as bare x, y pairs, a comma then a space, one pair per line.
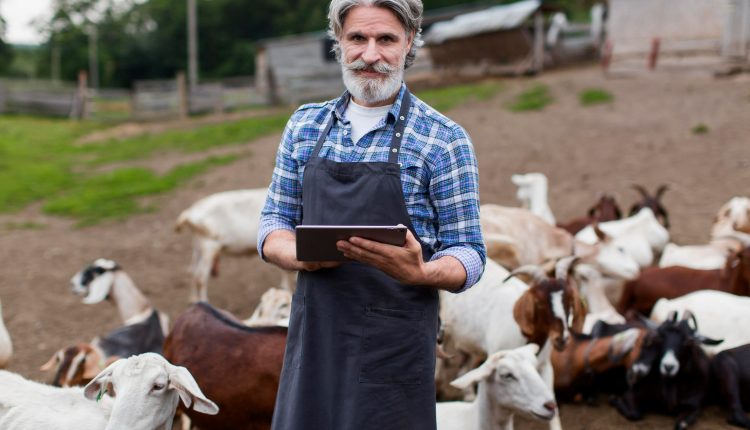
696, 33
507, 36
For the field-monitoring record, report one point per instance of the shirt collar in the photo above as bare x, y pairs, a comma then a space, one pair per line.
341, 104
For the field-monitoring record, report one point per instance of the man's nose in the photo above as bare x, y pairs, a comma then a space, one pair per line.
371, 54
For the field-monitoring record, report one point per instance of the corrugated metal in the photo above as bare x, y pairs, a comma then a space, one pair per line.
488, 20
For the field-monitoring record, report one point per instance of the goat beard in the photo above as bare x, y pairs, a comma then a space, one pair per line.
373, 90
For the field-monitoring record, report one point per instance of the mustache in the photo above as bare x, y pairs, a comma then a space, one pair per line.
379, 67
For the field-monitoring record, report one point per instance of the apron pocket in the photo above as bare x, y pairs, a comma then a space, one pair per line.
296, 334
393, 349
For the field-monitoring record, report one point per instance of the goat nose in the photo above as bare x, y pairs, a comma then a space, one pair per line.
550, 406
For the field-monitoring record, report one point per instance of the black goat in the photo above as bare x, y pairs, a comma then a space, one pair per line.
672, 374
730, 370
653, 203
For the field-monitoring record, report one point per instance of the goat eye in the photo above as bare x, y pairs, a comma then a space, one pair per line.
158, 386
508, 377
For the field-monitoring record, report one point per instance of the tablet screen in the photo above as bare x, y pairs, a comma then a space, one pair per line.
318, 242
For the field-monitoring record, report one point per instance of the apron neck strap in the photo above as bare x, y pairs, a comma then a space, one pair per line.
398, 132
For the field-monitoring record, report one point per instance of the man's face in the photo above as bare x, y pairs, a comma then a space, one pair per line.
374, 45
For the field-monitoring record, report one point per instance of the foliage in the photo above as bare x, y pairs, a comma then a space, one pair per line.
6, 51
535, 98
446, 98
700, 129
594, 96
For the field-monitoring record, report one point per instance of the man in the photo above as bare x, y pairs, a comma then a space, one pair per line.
360, 352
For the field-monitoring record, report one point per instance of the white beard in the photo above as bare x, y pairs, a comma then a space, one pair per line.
373, 90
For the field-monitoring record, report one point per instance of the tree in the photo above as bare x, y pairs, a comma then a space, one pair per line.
6, 51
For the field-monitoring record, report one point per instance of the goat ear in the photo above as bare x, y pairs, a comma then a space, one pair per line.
91, 365
523, 312
707, 340
96, 388
99, 288
600, 234
579, 309
181, 380
473, 377
51, 363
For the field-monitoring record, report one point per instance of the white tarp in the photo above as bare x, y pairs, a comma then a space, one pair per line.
491, 19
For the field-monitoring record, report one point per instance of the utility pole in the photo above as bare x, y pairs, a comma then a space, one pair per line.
192, 17
93, 56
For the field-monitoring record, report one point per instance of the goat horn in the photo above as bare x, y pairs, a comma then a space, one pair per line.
641, 190
563, 267
440, 352
689, 316
660, 191
536, 273
648, 322
672, 316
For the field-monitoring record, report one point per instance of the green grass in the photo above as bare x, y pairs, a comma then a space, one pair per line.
40, 161
114, 195
447, 98
533, 99
26, 225
700, 129
593, 96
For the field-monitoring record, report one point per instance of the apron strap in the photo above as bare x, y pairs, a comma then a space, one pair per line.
398, 132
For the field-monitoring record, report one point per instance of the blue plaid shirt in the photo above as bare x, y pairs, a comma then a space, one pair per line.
439, 175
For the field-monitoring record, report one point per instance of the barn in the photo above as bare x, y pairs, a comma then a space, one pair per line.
698, 34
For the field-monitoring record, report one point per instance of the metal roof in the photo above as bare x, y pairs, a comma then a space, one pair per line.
492, 19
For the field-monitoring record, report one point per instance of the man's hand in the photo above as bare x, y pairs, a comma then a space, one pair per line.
403, 263
280, 248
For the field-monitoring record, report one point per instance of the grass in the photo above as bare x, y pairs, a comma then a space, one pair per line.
533, 99
26, 225
447, 98
700, 129
594, 96
39, 161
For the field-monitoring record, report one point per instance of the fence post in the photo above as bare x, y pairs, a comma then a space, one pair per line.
3, 96
184, 97
653, 55
79, 103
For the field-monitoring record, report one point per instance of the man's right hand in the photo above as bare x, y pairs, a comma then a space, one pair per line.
280, 248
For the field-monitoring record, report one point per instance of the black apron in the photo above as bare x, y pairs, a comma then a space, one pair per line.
360, 354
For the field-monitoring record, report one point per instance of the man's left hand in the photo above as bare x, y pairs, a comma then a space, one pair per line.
403, 263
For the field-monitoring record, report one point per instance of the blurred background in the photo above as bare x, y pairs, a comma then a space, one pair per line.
116, 115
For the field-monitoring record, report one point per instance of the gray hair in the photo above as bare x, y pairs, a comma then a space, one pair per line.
409, 12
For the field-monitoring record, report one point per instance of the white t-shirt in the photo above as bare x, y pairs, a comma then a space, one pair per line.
363, 119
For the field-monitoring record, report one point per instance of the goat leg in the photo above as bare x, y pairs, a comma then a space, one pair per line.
686, 419
627, 406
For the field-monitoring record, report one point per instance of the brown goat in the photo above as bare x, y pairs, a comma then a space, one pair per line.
652, 202
238, 367
641, 294
606, 209
77, 365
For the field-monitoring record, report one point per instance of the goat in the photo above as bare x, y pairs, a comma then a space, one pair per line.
606, 209
725, 240
641, 235
223, 223
77, 365
509, 383
591, 285
730, 370
515, 237
679, 383
237, 366
652, 202
490, 317
670, 282
273, 309
6, 345
585, 357
147, 389
532, 192
722, 315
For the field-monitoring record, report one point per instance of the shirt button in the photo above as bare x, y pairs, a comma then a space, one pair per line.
394, 150
402, 118
398, 134
345, 132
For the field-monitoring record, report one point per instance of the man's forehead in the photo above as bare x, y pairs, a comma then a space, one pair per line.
371, 19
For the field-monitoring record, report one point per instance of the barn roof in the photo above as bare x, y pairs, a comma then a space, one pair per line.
496, 18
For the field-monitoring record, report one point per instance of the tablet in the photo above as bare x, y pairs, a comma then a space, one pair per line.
318, 242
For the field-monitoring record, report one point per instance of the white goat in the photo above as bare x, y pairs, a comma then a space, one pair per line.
148, 389
515, 237
509, 383
728, 234
274, 309
6, 345
532, 192
719, 315
105, 279
223, 223
592, 286
641, 235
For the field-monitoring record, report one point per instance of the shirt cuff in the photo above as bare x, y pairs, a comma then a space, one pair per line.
471, 261
267, 227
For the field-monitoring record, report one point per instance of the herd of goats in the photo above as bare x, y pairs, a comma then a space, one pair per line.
601, 305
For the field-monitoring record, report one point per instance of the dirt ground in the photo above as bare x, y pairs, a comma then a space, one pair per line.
645, 136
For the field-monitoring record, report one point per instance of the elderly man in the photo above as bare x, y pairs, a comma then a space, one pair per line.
361, 347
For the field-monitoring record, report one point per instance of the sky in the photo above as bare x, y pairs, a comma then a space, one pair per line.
18, 15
